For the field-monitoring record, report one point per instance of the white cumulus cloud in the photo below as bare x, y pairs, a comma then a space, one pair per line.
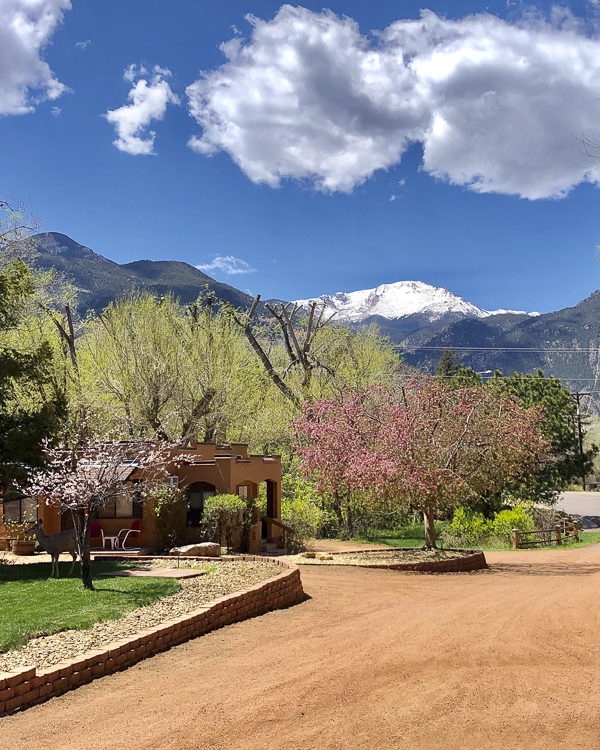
148, 98
497, 106
228, 264
26, 27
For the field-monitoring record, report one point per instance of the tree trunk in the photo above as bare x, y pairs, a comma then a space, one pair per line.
210, 434
337, 509
81, 522
429, 523
349, 516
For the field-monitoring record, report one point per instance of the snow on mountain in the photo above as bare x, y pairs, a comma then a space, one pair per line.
399, 300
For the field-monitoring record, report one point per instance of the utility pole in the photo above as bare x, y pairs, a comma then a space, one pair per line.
577, 395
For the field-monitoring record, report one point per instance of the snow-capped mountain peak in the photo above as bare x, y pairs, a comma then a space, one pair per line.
399, 300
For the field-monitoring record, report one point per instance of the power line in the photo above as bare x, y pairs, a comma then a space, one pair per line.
547, 377
568, 350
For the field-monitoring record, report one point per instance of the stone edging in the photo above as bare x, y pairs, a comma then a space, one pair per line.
27, 687
469, 561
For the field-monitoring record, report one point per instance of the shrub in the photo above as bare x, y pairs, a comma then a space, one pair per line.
467, 527
514, 518
303, 518
368, 519
301, 512
224, 516
169, 509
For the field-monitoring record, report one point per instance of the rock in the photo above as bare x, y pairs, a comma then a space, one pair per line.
204, 549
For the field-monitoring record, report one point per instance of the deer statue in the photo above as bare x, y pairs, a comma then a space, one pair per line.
54, 544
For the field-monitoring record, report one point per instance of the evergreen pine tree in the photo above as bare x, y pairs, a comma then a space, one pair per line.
448, 365
566, 463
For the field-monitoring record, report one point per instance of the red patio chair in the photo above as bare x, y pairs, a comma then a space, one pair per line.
96, 533
136, 528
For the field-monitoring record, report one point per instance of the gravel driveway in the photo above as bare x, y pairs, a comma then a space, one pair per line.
506, 658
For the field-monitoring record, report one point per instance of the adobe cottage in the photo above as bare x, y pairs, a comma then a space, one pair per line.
203, 471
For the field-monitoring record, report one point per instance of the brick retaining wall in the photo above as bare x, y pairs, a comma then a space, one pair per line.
465, 562
30, 686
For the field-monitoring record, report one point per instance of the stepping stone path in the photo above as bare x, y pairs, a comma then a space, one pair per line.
157, 573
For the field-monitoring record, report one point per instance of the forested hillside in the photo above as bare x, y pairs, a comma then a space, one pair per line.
99, 280
565, 344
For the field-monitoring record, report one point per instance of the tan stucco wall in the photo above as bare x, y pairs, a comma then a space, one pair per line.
226, 467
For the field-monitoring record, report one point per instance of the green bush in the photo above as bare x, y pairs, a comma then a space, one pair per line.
468, 527
367, 519
224, 515
169, 508
301, 512
514, 518
303, 518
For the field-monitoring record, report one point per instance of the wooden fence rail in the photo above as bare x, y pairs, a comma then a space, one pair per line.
562, 531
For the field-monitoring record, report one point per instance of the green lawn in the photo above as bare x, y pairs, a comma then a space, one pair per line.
414, 536
33, 604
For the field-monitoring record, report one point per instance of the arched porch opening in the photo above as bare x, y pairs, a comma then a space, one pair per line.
270, 489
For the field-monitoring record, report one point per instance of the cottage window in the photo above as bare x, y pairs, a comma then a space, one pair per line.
23, 510
244, 491
198, 493
125, 504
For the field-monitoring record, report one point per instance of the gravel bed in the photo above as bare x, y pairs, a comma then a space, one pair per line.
385, 557
223, 578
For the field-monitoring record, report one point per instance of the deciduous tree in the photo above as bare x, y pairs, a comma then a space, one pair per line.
84, 481
426, 445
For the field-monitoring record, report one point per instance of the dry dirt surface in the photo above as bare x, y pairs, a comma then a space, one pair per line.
505, 658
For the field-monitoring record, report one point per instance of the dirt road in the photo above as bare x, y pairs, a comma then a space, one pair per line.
507, 658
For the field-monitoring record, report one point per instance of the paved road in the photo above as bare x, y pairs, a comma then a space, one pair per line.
507, 658
585, 504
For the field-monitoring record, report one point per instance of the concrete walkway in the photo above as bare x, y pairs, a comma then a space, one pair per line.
156, 573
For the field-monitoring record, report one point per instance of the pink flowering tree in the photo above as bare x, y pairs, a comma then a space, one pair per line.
83, 482
425, 445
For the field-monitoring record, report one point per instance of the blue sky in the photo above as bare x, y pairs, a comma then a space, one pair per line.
323, 157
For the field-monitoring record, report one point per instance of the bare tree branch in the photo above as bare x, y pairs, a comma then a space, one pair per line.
246, 326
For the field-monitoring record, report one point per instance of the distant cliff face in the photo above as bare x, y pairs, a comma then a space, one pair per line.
60, 246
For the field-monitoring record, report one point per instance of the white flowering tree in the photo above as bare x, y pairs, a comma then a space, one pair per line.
85, 481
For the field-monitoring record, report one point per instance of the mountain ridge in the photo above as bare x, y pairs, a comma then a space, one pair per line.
421, 334
401, 299
100, 280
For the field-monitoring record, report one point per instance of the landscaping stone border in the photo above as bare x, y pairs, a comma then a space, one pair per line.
29, 686
468, 561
